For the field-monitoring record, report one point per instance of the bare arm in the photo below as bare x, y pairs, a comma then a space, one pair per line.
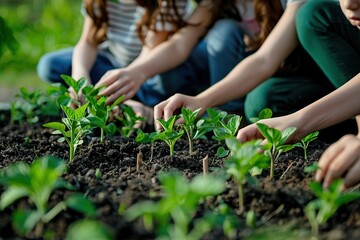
84, 54
259, 66
159, 55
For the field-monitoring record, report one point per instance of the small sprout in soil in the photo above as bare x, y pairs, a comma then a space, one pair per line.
76, 85
98, 173
311, 168
30, 105
275, 142
73, 128
242, 159
264, 114
37, 182
169, 134
251, 219
189, 125
222, 152
173, 215
304, 142
100, 113
27, 140
328, 201
129, 120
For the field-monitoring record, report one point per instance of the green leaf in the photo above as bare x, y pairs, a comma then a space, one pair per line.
25, 221
286, 134
222, 152
69, 112
89, 229
117, 101
11, 195
81, 204
56, 125
207, 186
81, 111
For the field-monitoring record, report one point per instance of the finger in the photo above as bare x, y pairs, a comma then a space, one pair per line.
340, 163
249, 133
120, 92
158, 114
106, 80
326, 158
174, 104
353, 176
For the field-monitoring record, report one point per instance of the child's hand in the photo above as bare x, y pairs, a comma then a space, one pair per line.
341, 158
119, 82
167, 108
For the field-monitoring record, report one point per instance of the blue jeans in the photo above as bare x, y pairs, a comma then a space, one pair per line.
226, 48
53, 64
191, 77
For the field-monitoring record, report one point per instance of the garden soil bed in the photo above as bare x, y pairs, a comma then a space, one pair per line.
278, 204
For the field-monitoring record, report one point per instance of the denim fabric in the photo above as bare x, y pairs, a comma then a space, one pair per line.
226, 48
53, 64
191, 77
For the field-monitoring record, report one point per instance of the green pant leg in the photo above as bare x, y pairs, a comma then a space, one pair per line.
284, 95
330, 39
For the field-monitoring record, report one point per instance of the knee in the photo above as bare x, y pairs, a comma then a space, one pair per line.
310, 20
255, 101
44, 67
225, 34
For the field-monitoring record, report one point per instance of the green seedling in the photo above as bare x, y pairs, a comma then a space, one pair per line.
129, 120
30, 105
173, 214
305, 141
37, 182
76, 85
243, 158
189, 125
264, 114
326, 204
169, 134
275, 143
227, 129
73, 127
99, 114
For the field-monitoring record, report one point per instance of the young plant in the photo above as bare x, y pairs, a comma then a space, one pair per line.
328, 201
30, 105
304, 142
169, 134
276, 142
73, 127
189, 126
264, 114
129, 120
99, 114
37, 182
243, 158
76, 85
173, 214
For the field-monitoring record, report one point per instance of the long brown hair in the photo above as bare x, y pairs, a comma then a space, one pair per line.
96, 9
268, 13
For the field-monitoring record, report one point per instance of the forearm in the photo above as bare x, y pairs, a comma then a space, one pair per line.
83, 59
251, 72
335, 107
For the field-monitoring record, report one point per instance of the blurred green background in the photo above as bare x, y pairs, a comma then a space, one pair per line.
39, 26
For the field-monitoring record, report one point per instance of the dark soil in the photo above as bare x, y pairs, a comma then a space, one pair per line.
277, 203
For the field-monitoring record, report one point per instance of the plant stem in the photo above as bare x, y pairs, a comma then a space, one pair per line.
53, 212
241, 196
271, 167
72, 152
189, 140
101, 135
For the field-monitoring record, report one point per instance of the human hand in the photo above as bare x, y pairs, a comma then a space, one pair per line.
252, 132
167, 108
120, 82
341, 158
77, 99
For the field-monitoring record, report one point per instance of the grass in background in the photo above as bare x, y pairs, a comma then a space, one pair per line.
39, 26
